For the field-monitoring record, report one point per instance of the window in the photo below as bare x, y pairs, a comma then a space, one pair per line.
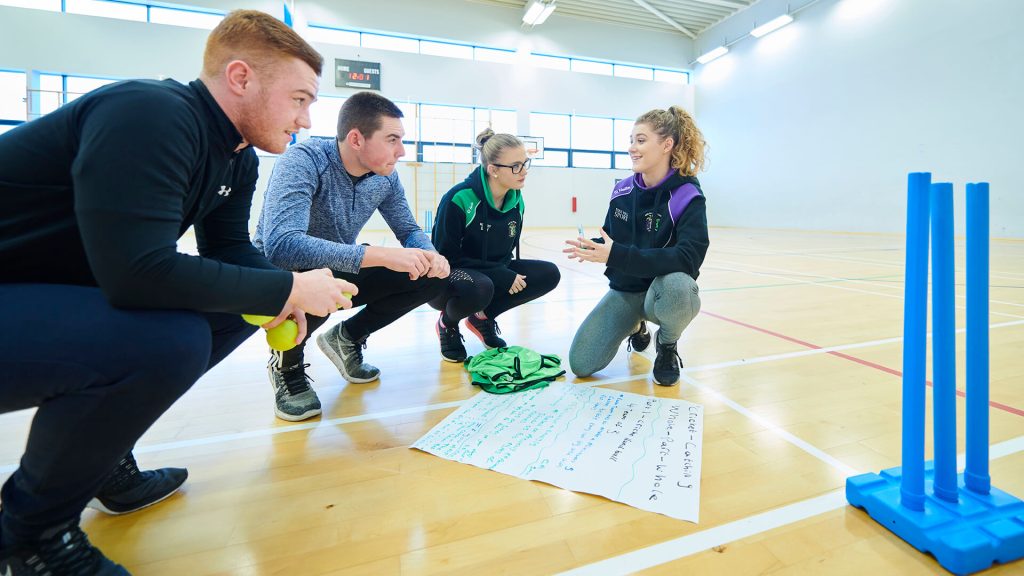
6, 127
446, 49
51, 92
80, 85
671, 76
51, 5
553, 62
591, 160
410, 121
446, 124
501, 121
395, 43
591, 133
554, 158
554, 128
622, 161
106, 9
634, 72
493, 55
623, 131
323, 116
592, 67
12, 96
331, 36
187, 18
447, 153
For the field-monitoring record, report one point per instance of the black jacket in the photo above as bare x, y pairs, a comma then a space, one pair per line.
472, 233
98, 192
655, 230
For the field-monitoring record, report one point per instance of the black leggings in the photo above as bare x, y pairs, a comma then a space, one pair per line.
471, 291
388, 295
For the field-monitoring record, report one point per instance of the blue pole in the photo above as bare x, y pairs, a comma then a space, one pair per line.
943, 343
915, 327
976, 476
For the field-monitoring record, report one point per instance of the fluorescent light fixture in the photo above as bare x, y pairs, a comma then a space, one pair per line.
537, 11
771, 26
711, 55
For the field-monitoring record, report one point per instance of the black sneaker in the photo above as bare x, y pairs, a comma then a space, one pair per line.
639, 340
486, 330
347, 355
128, 489
294, 398
452, 349
62, 551
667, 364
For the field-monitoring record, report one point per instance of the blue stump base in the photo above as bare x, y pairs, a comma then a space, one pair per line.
967, 536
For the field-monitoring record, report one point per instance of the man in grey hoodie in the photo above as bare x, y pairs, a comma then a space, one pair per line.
321, 194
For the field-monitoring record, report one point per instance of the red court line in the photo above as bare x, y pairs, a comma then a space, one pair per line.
861, 361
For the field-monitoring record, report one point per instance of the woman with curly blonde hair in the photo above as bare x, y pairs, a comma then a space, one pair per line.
653, 243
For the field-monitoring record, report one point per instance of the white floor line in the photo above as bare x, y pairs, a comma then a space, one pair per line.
690, 544
773, 428
8, 468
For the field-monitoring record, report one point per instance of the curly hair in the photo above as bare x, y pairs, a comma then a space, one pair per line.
688, 142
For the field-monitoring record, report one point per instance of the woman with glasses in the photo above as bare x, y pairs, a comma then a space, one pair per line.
653, 243
478, 225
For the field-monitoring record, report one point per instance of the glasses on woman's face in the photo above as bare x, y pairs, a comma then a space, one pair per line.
517, 167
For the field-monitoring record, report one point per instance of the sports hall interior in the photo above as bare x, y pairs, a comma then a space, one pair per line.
796, 355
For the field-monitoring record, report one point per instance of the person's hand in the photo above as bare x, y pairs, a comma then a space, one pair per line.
586, 250
439, 266
518, 285
413, 261
296, 314
319, 292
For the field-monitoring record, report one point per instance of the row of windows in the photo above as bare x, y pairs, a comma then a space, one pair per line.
141, 11
446, 133
137, 11
439, 133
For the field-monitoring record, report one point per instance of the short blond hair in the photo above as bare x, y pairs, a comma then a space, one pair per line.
258, 39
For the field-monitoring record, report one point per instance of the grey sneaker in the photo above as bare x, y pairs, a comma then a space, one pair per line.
347, 355
294, 398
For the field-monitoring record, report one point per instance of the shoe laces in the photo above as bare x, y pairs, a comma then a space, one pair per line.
668, 357
296, 381
124, 476
449, 333
67, 552
642, 330
486, 326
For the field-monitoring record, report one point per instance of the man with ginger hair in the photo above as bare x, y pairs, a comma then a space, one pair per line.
113, 324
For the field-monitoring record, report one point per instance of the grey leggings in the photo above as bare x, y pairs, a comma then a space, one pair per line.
671, 302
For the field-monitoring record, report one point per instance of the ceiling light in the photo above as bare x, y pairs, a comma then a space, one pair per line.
771, 26
537, 11
711, 55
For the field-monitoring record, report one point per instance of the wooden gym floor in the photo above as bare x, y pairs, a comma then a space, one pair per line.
795, 358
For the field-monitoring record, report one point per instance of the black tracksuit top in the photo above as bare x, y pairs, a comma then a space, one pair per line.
98, 192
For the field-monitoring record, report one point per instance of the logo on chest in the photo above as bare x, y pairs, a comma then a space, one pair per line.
512, 227
621, 215
652, 221
224, 191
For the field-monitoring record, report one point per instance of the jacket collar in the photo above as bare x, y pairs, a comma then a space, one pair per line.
225, 135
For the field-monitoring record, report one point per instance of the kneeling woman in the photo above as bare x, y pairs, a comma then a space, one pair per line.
478, 225
653, 243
